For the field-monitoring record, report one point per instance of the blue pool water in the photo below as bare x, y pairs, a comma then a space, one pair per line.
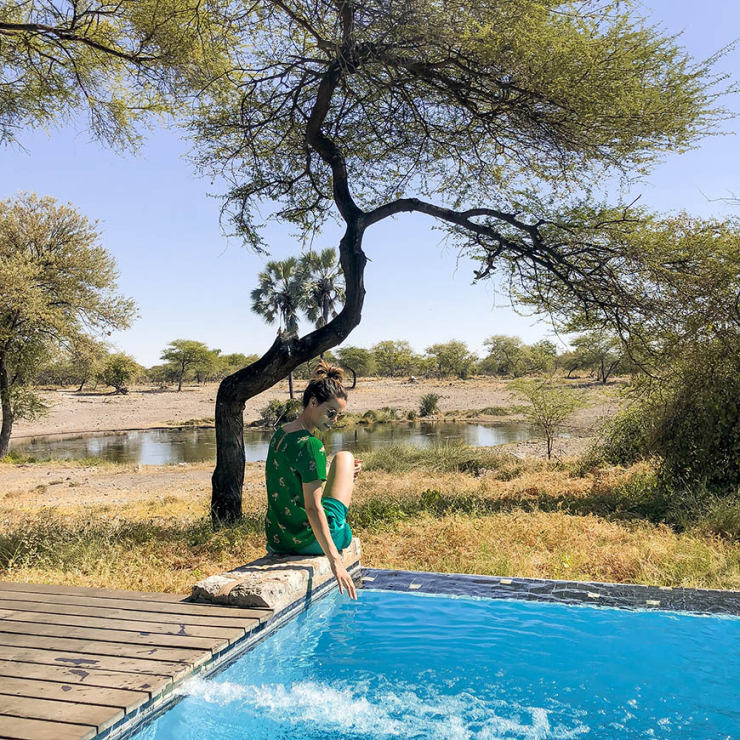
417, 666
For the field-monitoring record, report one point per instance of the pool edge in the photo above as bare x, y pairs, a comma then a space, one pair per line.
616, 595
148, 712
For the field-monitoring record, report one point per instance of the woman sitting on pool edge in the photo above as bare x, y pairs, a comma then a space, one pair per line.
299, 521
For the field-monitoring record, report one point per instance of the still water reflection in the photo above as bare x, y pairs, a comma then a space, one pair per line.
162, 446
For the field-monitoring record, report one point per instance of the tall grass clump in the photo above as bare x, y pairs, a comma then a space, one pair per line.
428, 404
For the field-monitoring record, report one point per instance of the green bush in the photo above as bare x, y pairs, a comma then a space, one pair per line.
698, 433
625, 439
280, 412
428, 404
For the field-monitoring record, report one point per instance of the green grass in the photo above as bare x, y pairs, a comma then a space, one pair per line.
446, 458
15, 457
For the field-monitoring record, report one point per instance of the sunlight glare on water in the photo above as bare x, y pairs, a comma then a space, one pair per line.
415, 666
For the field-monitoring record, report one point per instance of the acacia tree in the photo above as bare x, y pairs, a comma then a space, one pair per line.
119, 61
185, 354
56, 283
467, 113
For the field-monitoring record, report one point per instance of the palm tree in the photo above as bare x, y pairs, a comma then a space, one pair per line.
278, 297
323, 286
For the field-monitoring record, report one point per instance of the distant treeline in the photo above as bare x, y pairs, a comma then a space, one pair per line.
92, 363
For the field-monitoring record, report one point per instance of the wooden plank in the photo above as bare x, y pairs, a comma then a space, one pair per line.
93, 677
17, 728
118, 698
97, 647
82, 611
188, 630
111, 635
107, 593
99, 717
158, 668
196, 610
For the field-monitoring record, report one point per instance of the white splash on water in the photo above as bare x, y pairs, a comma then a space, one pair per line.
401, 713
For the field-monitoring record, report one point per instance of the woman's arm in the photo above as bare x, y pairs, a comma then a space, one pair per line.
320, 526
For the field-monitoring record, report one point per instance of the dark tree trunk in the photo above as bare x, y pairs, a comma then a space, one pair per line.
7, 425
290, 383
179, 382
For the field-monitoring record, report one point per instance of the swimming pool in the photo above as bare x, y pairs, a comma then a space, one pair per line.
415, 665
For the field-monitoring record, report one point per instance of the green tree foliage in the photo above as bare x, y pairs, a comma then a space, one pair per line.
56, 284
323, 289
506, 356
393, 358
541, 357
86, 359
186, 355
279, 297
121, 62
551, 403
229, 364
361, 360
599, 352
163, 374
451, 358
119, 370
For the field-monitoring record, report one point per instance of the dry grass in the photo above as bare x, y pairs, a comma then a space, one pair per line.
526, 518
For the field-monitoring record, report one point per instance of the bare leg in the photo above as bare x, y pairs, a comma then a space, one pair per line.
341, 478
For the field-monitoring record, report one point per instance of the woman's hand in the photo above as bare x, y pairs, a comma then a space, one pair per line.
344, 579
358, 467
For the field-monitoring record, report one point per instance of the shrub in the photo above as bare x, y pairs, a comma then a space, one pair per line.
411, 415
280, 412
625, 439
428, 404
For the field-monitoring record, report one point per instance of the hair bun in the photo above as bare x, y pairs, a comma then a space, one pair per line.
325, 370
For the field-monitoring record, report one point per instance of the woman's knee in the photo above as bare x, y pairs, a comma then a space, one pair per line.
344, 462
344, 458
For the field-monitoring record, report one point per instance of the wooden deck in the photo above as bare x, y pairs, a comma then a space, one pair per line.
75, 662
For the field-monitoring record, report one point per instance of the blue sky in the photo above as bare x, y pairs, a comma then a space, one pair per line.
189, 281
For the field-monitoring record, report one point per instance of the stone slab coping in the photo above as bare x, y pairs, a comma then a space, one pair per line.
272, 582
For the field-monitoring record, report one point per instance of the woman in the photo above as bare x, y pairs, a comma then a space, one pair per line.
299, 521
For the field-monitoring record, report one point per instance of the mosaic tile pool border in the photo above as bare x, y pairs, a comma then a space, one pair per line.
620, 595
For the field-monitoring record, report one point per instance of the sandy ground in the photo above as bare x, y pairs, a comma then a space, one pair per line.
147, 407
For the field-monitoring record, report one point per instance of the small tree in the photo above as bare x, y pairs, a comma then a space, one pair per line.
598, 351
119, 370
451, 358
551, 404
184, 355
56, 283
506, 355
393, 358
360, 361
86, 358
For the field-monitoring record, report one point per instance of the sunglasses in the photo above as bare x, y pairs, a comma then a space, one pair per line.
334, 414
